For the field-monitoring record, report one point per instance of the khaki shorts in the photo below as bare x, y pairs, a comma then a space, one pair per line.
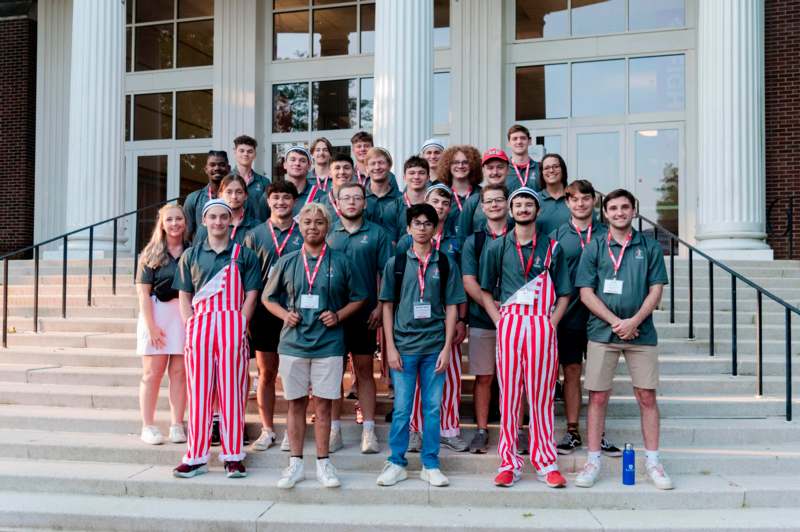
322, 375
482, 345
602, 359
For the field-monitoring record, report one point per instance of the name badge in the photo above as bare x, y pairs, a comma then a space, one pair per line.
422, 311
525, 297
612, 286
309, 301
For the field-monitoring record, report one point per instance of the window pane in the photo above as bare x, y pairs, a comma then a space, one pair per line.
334, 104
653, 14
129, 12
192, 172
657, 173
657, 84
289, 107
127, 117
548, 144
541, 18
290, 35
441, 98
196, 43
328, 2
595, 17
128, 44
598, 88
153, 10
195, 109
368, 29
152, 117
286, 4
367, 98
542, 92
154, 47
151, 188
598, 160
441, 23
195, 8
335, 31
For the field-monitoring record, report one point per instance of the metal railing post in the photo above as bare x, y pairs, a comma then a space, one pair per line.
710, 309
759, 347
788, 365
672, 280
691, 294
114, 262
5, 302
135, 251
91, 253
734, 331
64, 280
36, 289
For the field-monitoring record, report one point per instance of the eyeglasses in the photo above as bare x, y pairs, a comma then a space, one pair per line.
552, 167
459, 163
493, 201
416, 224
348, 199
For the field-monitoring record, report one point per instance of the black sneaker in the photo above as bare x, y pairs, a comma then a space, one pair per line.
559, 394
480, 442
570, 442
609, 449
522, 442
215, 433
235, 469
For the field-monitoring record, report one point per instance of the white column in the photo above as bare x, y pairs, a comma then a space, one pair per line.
477, 73
403, 77
731, 214
96, 127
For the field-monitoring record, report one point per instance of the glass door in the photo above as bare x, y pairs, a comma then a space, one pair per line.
597, 154
151, 188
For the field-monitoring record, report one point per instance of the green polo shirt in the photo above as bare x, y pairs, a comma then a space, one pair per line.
257, 206
193, 207
642, 267
500, 264
160, 278
259, 239
553, 213
245, 226
450, 245
425, 335
337, 284
513, 182
326, 199
470, 265
303, 198
369, 248
386, 211
577, 314
200, 263
367, 179
453, 223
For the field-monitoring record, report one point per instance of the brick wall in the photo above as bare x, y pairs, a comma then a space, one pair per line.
17, 131
782, 73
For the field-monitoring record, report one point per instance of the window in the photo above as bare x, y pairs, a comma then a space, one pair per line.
192, 172
545, 18
655, 14
594, 17
335, 104
598, 88
656, 161
152, 115
656, 84
441, 23
441, 99
165, 34
542, 92
193, 119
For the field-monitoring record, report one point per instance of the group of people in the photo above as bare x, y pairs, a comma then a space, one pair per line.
332, 260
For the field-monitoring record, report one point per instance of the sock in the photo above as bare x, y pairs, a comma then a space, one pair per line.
296, 458
652, 457
593, 457
336, 424
572, 427
321, 458
369, 425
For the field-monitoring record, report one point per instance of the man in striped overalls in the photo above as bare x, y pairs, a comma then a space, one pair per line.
218, 282
528, 271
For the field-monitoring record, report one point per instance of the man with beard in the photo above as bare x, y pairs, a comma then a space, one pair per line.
494, 164
216, 168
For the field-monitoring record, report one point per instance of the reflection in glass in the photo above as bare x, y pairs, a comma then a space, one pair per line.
127, 117
154, 47
656, 84
196, 43
367, 97
128, 49
334, 104
289, 107
536, 19
152, 116
195, 8
598, 160
441, 23
598, 88
129, 12
549, 144
290, 35
655, 14
335, 31
441, 98
194, 114
656, 154
286, 4
542, 92
154, 10
368, 29
595, 17
151, 188
192, 173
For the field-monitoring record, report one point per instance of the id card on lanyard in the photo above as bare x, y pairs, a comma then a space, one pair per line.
614, 285
279, 247
311, 301
422, 308
523, 296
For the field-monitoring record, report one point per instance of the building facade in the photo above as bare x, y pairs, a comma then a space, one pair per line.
673, 99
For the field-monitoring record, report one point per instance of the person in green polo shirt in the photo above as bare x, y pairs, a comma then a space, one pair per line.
460, 169
382, 206
216, 168
313, 290
233, 191
368, 246
415, 175
341, 173
431, 151
494, 165
621, 279
419, 318
553, 184
524, 170
296, 163
244, 152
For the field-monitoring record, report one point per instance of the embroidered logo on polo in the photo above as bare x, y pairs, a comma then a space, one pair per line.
537, 262
435, 273
638, 254
365, 239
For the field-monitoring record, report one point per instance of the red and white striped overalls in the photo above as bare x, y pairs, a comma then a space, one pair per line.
217, 359
527, 355
449, 424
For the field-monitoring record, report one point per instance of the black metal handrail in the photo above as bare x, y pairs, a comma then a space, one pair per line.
788, 231
64, 238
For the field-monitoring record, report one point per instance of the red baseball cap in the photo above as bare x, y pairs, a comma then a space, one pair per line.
493, 153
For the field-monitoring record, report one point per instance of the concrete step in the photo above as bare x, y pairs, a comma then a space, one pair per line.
74, 339
722, 303
24, 301
49, 290
25, 312
71, 356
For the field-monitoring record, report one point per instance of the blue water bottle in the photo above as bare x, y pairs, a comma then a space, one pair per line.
629, 465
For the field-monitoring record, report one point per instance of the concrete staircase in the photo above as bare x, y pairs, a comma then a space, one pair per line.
70, 457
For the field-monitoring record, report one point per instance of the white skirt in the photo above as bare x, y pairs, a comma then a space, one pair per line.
167, 316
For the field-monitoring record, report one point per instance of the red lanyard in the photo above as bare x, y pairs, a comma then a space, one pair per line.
361, 181
406, 199
209, 193
519, 174
323, 184
311, 277
458, 200
335, 204
312, 194
526, 268
280, 247
236, 226
616, 263
422, 268
495, 235
580, 237
437, 238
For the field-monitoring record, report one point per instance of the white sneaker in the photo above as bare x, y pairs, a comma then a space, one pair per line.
335, 440
588, 475
265, 440
369, 442
391, 474
434, 477
659, 477
151, 435
285, 446
177, 434
326, 474
292, 474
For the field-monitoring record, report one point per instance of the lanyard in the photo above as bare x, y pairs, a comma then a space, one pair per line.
335, 204
406, 199
361, 181
280, 247
458, 200
616, 263
519, 174
236, 226
323, 184
437, 238
312, 194
580, 238
526, 268
311, 277
495, 235
421, 269
208, 189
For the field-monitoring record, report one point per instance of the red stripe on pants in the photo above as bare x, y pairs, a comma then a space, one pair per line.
450, 424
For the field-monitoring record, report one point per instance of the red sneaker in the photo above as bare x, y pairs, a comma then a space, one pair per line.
506, 479
553, 479
189, 471
235, 469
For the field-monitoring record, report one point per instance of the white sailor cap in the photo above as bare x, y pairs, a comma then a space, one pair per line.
439, 186
433, 142
299, 149
525, 191
214, 203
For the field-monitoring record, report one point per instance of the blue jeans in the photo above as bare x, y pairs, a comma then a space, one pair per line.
431, 385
